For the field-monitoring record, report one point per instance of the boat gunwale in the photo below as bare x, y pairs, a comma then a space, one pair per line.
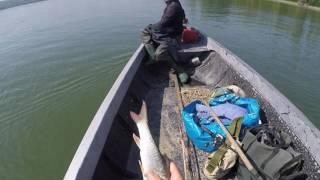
88, 152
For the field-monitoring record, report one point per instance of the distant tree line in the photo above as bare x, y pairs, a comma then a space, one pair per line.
308, 2
4, 4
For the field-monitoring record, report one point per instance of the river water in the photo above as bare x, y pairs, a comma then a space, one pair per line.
58, 59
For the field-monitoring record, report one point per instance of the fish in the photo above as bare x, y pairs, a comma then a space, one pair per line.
151, 160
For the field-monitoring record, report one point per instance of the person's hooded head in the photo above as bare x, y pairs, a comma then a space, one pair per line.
168, 1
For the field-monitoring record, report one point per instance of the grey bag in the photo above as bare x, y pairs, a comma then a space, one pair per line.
274, 158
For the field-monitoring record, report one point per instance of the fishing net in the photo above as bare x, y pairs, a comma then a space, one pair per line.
195, 93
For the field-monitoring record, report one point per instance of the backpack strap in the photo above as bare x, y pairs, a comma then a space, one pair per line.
295, 176
235, 127
216, 157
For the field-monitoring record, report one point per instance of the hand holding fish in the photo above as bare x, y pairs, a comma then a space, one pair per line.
174, 174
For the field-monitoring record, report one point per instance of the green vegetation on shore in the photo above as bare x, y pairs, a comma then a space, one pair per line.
307, 2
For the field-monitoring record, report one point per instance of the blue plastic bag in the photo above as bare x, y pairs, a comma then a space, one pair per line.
198, 132
251, 104
201, 139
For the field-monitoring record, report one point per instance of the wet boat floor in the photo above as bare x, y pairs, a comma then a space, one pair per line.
168, 136
170, 139
164, 123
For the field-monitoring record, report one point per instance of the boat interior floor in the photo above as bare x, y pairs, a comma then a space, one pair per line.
119, 159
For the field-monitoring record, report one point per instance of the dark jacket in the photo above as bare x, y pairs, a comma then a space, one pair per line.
171, 23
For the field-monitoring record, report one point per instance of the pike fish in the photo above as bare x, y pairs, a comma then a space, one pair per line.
149, 154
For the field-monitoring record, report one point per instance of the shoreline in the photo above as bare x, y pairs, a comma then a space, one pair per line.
6, 4
314, 8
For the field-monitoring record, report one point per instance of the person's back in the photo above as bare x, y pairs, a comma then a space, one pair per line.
171, 22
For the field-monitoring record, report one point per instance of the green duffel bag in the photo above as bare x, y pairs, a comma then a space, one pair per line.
271, 153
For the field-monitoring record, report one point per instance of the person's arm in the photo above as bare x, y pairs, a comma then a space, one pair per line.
185, 19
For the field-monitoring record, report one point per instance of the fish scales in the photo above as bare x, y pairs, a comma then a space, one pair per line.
150, 156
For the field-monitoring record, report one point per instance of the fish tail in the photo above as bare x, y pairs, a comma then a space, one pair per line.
142, 116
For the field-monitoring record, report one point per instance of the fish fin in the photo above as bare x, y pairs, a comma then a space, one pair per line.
143, 111
141, 167
142, 115
136, 139
136, 117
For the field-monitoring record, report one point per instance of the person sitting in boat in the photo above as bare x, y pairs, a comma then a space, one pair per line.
160, 39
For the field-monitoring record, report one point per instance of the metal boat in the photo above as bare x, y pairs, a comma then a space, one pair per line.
107, 150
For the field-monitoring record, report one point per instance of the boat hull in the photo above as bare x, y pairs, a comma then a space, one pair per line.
107, 150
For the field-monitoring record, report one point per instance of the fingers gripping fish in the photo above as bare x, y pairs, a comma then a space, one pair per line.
150, 157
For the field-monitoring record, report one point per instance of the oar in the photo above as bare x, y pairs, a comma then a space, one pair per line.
233, 142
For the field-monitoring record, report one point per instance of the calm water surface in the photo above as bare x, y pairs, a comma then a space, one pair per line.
58, 59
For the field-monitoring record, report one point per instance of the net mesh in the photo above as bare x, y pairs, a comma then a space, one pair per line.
195, 93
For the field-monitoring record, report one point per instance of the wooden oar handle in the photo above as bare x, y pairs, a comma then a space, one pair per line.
184, 142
